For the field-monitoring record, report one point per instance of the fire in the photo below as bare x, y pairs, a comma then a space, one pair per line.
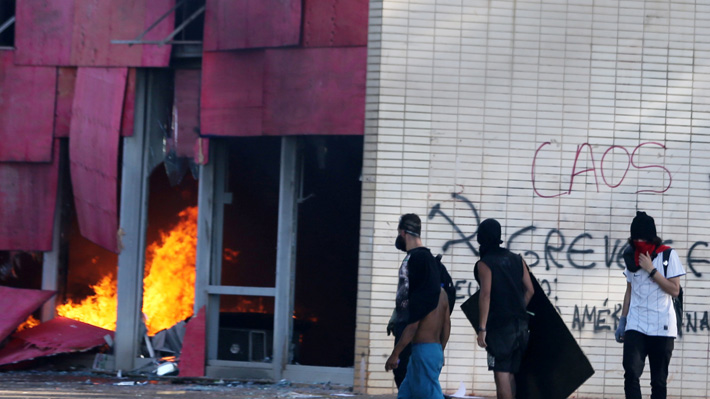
29, 323
252, 305
99, 309
168, 285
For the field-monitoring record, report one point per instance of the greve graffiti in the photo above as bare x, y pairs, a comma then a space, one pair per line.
597, 318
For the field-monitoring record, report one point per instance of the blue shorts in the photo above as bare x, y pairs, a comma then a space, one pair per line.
422, 380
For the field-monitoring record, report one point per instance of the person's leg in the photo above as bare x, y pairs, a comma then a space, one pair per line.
504, 388
634, 361
660, 350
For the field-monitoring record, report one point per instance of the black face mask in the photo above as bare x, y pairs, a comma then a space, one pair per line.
400, 244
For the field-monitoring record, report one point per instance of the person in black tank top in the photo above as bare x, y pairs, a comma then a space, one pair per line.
506, 290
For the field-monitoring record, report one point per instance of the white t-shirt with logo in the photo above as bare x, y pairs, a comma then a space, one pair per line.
651, 309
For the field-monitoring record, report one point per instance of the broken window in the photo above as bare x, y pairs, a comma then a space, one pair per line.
249, 247
328, 247
7, 23
189, 11
171, 236
322, 320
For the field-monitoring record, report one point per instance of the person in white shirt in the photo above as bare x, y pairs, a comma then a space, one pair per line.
647, 326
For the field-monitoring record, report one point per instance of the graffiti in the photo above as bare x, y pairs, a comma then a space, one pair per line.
436, 210
597, 318
467, 286
556, 244
600, 170
606, 318
691, 322
602, 319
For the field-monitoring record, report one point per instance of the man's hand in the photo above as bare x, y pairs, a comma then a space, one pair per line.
392, 362
645, 262
482, 339
619, 334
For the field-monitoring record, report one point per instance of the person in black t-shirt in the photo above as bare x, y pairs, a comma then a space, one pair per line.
506, 290
421, 316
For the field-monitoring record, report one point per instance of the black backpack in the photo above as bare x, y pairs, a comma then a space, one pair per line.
446, 283
677, 301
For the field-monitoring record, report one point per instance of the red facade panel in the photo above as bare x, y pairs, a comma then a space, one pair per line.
59, 335
66, 78
315, 91
129, 104
93, 151
232, 93
26, 111
43, 32
79, 32
232, 25
17, 305
335, 23
28, 194
192, 355
187, 112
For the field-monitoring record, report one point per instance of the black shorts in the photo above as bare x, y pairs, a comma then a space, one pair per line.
507, 345
509, 364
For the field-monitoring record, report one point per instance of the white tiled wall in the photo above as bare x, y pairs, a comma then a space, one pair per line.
462, 97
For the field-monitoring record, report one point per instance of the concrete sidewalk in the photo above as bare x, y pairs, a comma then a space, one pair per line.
62, 385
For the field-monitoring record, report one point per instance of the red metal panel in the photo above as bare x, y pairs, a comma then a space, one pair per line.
129, 104
28, 194
192, 355
17, 305
79, 32
66, 77
335, 23
26, 111
232, 93
153, 54
59, 335
187, 108
93, 151
232, 25
43, 32
315, 91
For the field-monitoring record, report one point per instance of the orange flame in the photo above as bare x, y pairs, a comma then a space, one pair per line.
99, 309
169, 283
252, 305
27, 324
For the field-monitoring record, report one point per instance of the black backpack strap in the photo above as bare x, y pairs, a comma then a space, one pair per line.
666, 256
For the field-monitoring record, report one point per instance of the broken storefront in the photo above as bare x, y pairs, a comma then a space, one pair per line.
171, 211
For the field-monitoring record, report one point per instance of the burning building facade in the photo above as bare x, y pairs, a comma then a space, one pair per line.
166, 159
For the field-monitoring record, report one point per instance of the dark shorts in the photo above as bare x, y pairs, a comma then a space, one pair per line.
509, 364
506, 346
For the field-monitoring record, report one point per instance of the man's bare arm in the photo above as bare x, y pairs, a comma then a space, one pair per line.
527, 284
484, 301
404, 340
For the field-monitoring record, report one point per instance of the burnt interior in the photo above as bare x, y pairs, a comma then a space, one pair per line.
326, 254
323, 331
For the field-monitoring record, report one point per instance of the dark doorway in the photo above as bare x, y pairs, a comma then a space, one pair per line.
327, 252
